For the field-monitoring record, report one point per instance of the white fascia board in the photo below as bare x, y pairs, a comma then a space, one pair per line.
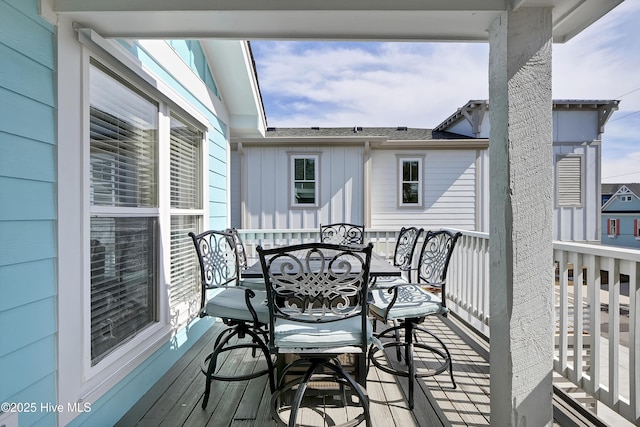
231, 63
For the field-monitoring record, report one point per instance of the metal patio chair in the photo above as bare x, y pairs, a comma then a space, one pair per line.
342, 233
402, 256
318, 311
242, 310
407, 305
254, 283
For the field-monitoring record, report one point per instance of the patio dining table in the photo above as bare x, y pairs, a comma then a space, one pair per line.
379, 267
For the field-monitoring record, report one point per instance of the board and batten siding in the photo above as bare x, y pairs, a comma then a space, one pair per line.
27, 209
267, 185
581, 222
449, 190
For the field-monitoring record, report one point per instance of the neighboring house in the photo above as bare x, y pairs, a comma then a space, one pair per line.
621, 215
394, 177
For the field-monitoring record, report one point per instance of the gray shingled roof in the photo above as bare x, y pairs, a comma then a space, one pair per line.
394, 134
612, 188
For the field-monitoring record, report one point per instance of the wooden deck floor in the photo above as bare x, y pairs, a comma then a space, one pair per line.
176, 398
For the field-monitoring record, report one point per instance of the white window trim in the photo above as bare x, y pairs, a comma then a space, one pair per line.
411, 157
291, 181
613, 221
78, 381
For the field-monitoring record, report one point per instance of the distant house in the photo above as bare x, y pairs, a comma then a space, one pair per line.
392, 177
621, 215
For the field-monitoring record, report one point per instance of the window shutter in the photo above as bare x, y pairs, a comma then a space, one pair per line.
617, 227
569, 181
608, 227
635, 228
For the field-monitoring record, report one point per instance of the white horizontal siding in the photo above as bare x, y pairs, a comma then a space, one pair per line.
449, 190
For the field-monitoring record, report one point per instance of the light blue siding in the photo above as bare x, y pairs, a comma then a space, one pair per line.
191, 52
626, 213
27, 209
26, 158
24, 276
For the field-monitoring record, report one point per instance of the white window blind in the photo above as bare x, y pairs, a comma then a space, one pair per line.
123, 177
186, 190
124, 134
569, 181
185, 273
185, 165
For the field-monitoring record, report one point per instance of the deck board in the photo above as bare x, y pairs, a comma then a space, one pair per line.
176, 398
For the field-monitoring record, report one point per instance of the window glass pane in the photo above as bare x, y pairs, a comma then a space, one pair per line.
305, 192
184, 292
298, 169
406, 171
414, 171
310, 166
123, 280
123, 144
409, 193
185, 165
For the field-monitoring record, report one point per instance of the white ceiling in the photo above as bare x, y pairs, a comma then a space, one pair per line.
415, 20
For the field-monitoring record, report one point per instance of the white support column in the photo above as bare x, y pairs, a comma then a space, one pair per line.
521, 196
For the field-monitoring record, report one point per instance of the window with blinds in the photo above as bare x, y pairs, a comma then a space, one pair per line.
569, 181
186, 190
123, 168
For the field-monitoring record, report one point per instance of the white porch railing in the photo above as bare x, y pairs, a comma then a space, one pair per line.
600, 317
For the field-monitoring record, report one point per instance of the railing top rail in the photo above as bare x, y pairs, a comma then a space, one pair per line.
626, 254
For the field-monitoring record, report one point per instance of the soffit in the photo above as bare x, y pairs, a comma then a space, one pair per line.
425, 20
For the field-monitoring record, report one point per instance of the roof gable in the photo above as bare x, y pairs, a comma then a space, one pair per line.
615, 203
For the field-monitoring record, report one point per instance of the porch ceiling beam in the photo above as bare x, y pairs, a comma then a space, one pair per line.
402, 20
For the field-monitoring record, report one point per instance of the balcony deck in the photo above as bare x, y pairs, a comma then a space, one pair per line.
175, 399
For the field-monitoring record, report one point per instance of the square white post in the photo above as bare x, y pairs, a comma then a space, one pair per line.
521, 197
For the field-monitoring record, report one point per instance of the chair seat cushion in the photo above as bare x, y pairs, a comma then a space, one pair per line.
341, 333
254, 283
413, 301
230, 303
387, 282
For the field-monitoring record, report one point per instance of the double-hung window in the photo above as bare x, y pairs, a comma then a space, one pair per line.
123, 164
186, 204
127, 134
613, 227
304, 186
410, 181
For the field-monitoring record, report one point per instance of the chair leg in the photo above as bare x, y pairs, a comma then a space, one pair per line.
219, 346
408, 356
316, 363
364, 399
302, 388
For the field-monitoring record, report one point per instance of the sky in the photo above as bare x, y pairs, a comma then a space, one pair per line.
346, 84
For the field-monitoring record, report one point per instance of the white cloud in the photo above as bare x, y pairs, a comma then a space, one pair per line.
420, 84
